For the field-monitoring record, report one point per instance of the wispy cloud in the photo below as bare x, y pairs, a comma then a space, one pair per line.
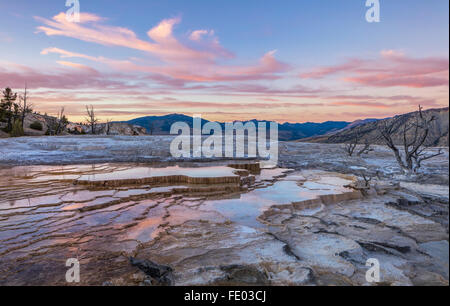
196, 63
198, 34
170, 69
391, 68
69, 76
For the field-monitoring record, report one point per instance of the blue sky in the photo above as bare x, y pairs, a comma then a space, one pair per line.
308, 36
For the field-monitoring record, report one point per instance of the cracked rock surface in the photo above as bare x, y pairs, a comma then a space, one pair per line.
293, 225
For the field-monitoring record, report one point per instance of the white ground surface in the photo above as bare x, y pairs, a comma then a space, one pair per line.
295, 155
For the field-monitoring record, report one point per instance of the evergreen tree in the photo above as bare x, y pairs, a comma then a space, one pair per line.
8, 107
17, 129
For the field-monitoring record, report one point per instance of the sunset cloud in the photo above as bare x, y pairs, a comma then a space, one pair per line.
78, 66
391, 69
67, 54
363, 104
195, 59
178, 60
70, 76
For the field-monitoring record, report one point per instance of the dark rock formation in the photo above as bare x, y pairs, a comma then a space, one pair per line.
162, 275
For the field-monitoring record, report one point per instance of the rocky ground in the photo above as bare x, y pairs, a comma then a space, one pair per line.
312, 221
86, 149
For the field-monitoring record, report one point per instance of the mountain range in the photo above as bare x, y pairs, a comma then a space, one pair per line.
326, 132
160, 125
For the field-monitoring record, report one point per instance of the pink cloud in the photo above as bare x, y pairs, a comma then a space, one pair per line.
393, 79
362, 103
197, 63
267, 68
368, 101
92, 29
322, 72
392, 68
67, 54
198, 34
78, 66
72, 76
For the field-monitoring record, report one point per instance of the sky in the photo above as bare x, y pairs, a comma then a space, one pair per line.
288, 61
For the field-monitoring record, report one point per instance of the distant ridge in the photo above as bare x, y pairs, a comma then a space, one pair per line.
160, 125
438, 135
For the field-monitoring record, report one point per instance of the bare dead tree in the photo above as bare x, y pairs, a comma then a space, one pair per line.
108, 126
62, 121
365, 149
58, 124
350, 147
414, 136
25, 107
367, 180
91, 119
152, 128
420, 156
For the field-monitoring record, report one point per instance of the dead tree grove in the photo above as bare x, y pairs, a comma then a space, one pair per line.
414, 135
351, 146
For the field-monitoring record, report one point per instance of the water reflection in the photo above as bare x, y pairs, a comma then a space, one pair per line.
43, 215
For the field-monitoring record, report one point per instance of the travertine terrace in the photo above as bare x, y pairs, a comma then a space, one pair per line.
307, 222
